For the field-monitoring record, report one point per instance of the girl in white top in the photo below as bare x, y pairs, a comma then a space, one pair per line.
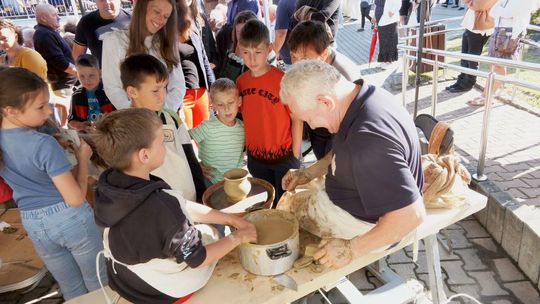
152, 31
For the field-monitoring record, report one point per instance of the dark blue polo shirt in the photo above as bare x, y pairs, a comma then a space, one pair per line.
284, 13
378, 164
56, 52
236, 6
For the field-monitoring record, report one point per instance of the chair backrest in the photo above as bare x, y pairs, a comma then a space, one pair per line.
439, 134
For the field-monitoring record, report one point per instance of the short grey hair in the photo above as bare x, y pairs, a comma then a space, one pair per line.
306, 80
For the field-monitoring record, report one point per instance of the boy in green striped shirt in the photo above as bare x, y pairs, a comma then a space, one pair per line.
221, 139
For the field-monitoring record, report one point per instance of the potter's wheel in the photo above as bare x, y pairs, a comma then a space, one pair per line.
261, 190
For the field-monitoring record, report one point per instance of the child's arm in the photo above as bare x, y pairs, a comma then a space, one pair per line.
297, 128
78, 125
203, 214
221, 248
73, 190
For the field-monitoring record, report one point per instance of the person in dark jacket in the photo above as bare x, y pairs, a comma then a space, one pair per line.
327, 12
154, 252
56, 52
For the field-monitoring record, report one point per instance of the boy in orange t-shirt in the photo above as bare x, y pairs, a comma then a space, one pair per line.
272, 138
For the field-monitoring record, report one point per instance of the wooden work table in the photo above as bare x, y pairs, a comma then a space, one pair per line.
230, 283
21, 267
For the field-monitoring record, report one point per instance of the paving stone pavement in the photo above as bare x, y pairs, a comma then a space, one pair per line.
495, 278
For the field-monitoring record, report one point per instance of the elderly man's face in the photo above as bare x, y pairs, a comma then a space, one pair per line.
51, 19
316, 117
108, 9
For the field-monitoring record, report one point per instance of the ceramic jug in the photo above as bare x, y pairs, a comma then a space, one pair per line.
237, 185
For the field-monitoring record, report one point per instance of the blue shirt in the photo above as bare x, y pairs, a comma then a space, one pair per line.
94, 110
284, 13
236, 6
30, 159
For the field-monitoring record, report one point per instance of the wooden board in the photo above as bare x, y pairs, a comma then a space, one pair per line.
230, 283
17, 247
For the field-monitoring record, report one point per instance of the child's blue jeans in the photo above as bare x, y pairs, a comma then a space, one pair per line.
67, 240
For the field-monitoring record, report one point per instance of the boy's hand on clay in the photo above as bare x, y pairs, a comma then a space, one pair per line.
240, 223
334, 253
295, 177
244, 235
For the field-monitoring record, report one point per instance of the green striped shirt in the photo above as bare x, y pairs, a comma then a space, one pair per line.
220, 147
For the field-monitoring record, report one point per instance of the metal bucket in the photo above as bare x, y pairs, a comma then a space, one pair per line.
278, 245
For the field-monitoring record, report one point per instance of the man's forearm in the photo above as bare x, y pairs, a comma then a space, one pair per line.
297, 128
391, 228
279, 40
320, 168
78, 50
71, 69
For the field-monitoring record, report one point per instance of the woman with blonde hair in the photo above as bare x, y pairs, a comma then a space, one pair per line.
153, 30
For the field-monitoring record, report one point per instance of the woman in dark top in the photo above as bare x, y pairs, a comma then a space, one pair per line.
195, 65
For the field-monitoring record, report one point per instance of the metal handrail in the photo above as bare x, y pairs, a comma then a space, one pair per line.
491, 78
429, 23
432, 33
533, 27
525, 41
481, 59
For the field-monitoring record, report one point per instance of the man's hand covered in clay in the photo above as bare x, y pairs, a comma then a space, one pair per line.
334, 253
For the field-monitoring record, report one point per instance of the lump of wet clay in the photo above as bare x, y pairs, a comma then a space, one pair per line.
317, 268
303, 262
311, 249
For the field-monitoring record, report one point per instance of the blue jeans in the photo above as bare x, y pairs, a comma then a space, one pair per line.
67, 240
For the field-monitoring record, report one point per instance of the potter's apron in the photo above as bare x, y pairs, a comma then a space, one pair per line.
167, 276
318, 215
175, 170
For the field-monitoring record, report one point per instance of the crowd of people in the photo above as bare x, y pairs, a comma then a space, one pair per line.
166, 98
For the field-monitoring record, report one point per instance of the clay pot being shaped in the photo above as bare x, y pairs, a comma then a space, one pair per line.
236, 185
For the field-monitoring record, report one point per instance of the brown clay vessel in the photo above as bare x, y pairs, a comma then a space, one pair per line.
237, 185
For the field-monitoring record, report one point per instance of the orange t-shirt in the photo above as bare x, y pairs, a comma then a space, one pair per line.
267, 121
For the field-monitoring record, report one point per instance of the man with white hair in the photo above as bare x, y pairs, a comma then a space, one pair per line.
61, 72
28, 37
372, 197
109, 15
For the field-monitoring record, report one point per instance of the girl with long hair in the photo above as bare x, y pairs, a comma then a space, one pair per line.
52, 203
153, 30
